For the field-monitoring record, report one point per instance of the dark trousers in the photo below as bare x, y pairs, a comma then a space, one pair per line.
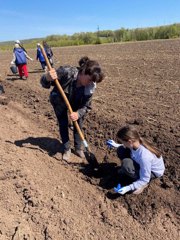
62, 116
43, 65
129, 167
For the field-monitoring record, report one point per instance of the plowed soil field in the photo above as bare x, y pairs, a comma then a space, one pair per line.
42, 197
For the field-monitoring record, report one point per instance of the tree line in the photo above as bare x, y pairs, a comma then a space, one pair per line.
106, 36
120, 35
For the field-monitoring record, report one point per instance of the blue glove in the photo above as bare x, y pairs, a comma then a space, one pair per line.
111, 143
116, 189
122, 190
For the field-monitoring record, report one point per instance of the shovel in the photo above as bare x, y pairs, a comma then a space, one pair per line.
90, 157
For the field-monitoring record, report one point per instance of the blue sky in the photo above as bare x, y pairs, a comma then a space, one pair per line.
22, 19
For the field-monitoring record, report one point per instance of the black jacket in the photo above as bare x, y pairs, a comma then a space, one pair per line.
79, 98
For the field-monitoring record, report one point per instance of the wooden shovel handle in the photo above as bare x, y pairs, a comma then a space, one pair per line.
63, 94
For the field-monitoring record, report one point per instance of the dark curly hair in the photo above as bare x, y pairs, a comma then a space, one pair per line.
91, 68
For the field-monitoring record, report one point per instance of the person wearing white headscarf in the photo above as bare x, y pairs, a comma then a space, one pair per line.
20, 60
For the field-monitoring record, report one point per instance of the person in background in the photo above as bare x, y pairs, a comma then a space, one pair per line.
20, 60
49, 52
40, 57
21, 45
79, 85
141, 161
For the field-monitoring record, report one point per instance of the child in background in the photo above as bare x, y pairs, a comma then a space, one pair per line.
19, 59
40, 57
140, 160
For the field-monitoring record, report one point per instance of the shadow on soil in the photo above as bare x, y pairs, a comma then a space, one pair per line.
50, 145
13, 78
106, 176
37, 71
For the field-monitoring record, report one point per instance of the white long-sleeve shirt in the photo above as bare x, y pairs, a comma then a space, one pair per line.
148, 163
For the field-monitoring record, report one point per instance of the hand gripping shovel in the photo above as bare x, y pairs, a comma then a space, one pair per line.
89, 156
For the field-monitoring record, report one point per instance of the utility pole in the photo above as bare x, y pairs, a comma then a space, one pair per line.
98, 41
98, 31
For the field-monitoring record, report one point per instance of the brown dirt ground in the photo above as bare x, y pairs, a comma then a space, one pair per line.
43, 198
